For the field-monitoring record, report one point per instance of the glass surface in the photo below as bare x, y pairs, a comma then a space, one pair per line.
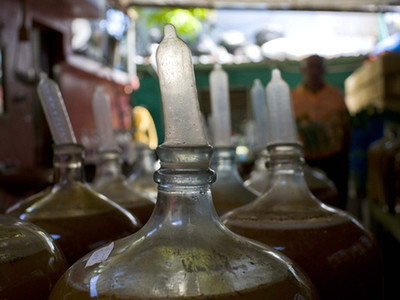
319, 184
184, 252
141, 180
341, 257
19, 207
228, 191
78, 218
30, 263
381, 187
110, 182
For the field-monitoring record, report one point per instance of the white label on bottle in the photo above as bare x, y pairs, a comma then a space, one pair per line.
100, 255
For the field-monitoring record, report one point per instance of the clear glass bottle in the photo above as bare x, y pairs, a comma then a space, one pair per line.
184, 252
228, 191
141, 180
78, 218
381, 187
30, 263
110, 182
340, 256
319, 184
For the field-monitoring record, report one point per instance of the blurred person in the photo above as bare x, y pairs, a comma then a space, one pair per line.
323, 124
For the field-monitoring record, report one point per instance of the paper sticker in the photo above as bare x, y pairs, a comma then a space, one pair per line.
100, 255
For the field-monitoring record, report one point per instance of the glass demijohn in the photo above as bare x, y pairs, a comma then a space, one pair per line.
341, 257
30, 262
183, 252
78, 218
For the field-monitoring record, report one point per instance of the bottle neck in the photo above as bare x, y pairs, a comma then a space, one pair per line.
286, 165
109, 165
224, 160
147, 160
184, 185
261, 161
68, 163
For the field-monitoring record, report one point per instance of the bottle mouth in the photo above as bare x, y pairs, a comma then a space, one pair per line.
285, 152
184, 157
68, 155
290, 147
109, 154
224, 153
184, 166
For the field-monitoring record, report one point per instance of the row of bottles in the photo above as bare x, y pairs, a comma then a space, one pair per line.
284, 237
383, 186
319, 184
183, 251
341, 257
77, 218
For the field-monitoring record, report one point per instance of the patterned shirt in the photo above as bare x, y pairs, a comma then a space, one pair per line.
322, 120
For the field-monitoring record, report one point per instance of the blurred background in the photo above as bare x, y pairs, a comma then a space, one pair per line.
83, 43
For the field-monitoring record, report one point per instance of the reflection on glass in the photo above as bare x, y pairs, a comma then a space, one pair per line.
30, 262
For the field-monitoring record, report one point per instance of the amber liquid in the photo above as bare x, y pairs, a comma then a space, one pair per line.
80, 234
326, 195
341, 259
142, 212
225, 202
29, 277
117, 190
287, 290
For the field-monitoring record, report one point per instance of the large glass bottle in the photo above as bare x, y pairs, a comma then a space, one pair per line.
228, 191
183, 251
141, 180
110, 182
340, 256
381, 187
30, 262
78, 218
